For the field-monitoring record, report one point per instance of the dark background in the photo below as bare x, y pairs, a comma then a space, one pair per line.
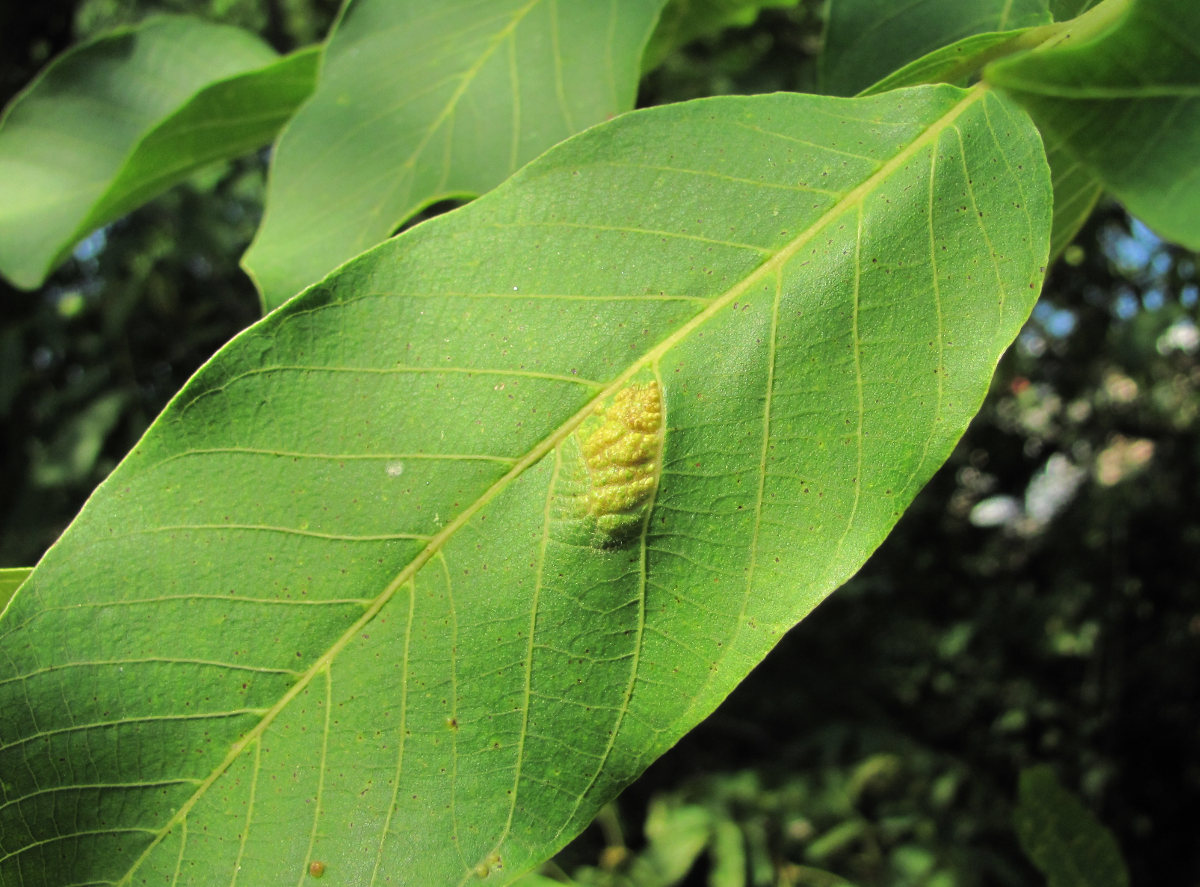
1039, 603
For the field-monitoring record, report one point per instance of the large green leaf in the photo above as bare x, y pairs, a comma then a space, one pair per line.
116, 121
418, 102
1062, 837
866, 41
1124, 100
1076, 192
354, 598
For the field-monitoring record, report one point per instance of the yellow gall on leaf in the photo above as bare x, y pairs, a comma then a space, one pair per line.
622, 461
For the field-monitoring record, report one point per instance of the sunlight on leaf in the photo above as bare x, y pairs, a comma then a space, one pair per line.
418, 103
1123, 99
333, 584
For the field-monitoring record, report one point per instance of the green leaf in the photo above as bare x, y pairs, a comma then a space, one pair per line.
1061, 836
954, 63
111, 123
683, 21
10, 580
419, 103
1076, 192
1122, 96
676, 834
1075, 189
866, 41
347, 600
1063, 10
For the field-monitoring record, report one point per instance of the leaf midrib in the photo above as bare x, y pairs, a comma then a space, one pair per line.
975, 94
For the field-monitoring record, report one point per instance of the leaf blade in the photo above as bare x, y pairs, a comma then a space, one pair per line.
115, 121
448, 672
10, 580
1123, 99
864, 46
431, 107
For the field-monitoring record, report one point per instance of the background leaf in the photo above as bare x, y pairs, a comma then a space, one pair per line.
683, 21
1068, 9
1125, 102
1061, 836
953, 63
333, 610
115, 121
10, 580
866, 41
419, 103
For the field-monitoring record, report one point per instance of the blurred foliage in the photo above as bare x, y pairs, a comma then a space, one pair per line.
92, 357
1062, 837
1038, 604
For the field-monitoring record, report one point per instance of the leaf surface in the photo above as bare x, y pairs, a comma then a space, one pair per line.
344, 603
113, 122
1076, 189
866, 41
10, 580
1076, 192
953, 63
420, 102
1124, 101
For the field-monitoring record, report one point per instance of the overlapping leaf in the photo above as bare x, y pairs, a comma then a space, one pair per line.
330, 612
418, 102
1124, 101
1076, 190
956, 62
866, 41
116, 121
10, 580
